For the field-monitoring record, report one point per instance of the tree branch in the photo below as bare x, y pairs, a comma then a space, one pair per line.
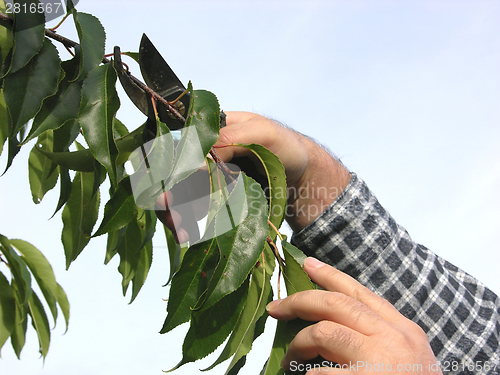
68, 43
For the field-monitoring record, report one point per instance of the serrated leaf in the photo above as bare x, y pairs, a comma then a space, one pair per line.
275, 173
129, 250
42, 172
21, 275
7, 310
209, 328
285, 332
29, 32
79, 216
92, 40
147, 224
245, 215
57, 109
198, 135
189, 283
240, 341
40, 323
296, 280
25, 89
119, 210
97, 111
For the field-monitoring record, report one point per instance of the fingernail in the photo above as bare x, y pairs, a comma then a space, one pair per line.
313, 263
272, 305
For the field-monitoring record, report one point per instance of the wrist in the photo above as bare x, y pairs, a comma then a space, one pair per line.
323, 180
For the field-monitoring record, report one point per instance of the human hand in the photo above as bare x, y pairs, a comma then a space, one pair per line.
314, 177
356, 328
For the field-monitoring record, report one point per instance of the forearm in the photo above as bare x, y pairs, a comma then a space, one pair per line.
359, 237
322, 182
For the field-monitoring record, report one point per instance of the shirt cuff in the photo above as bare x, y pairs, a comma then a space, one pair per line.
351, 233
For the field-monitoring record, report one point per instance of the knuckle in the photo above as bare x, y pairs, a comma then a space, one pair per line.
326, 334
226, 136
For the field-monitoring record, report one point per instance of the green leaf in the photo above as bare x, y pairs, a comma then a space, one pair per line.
21, 275
13, 149
29, 32
64, 188
80, 160
43, 173
18, 337
62, 300
276, 178
209, 328
4, 121
152, 164
296, 279
6, 39
7, 310
260, 289
141, 273
240, 226
79, 216
197, 137
134, 55
189, 283
113, 241
129, 250
40, 323
42, 271
57, 109
285, 332
92, 40
26, 89
97, 111
176, 253
119, 210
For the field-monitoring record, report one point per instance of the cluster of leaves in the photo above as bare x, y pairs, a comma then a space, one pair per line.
221, 283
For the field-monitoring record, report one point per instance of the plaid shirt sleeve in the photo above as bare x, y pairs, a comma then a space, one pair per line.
460, 315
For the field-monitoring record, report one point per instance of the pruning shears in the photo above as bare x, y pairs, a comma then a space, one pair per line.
171, 108
161, 79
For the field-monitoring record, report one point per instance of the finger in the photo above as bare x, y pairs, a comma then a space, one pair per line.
334, 280
317, 305
181, 236
326, 339
246, 128
165, 200
170, 218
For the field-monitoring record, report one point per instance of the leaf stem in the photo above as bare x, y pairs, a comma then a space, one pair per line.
60, 23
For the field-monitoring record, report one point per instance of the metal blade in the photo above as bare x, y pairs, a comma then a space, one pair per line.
160, 77
137, 95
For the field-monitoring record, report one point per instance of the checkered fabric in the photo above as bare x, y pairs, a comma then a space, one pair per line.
460, 315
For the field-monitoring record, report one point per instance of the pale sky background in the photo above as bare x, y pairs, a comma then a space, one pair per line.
406, 93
